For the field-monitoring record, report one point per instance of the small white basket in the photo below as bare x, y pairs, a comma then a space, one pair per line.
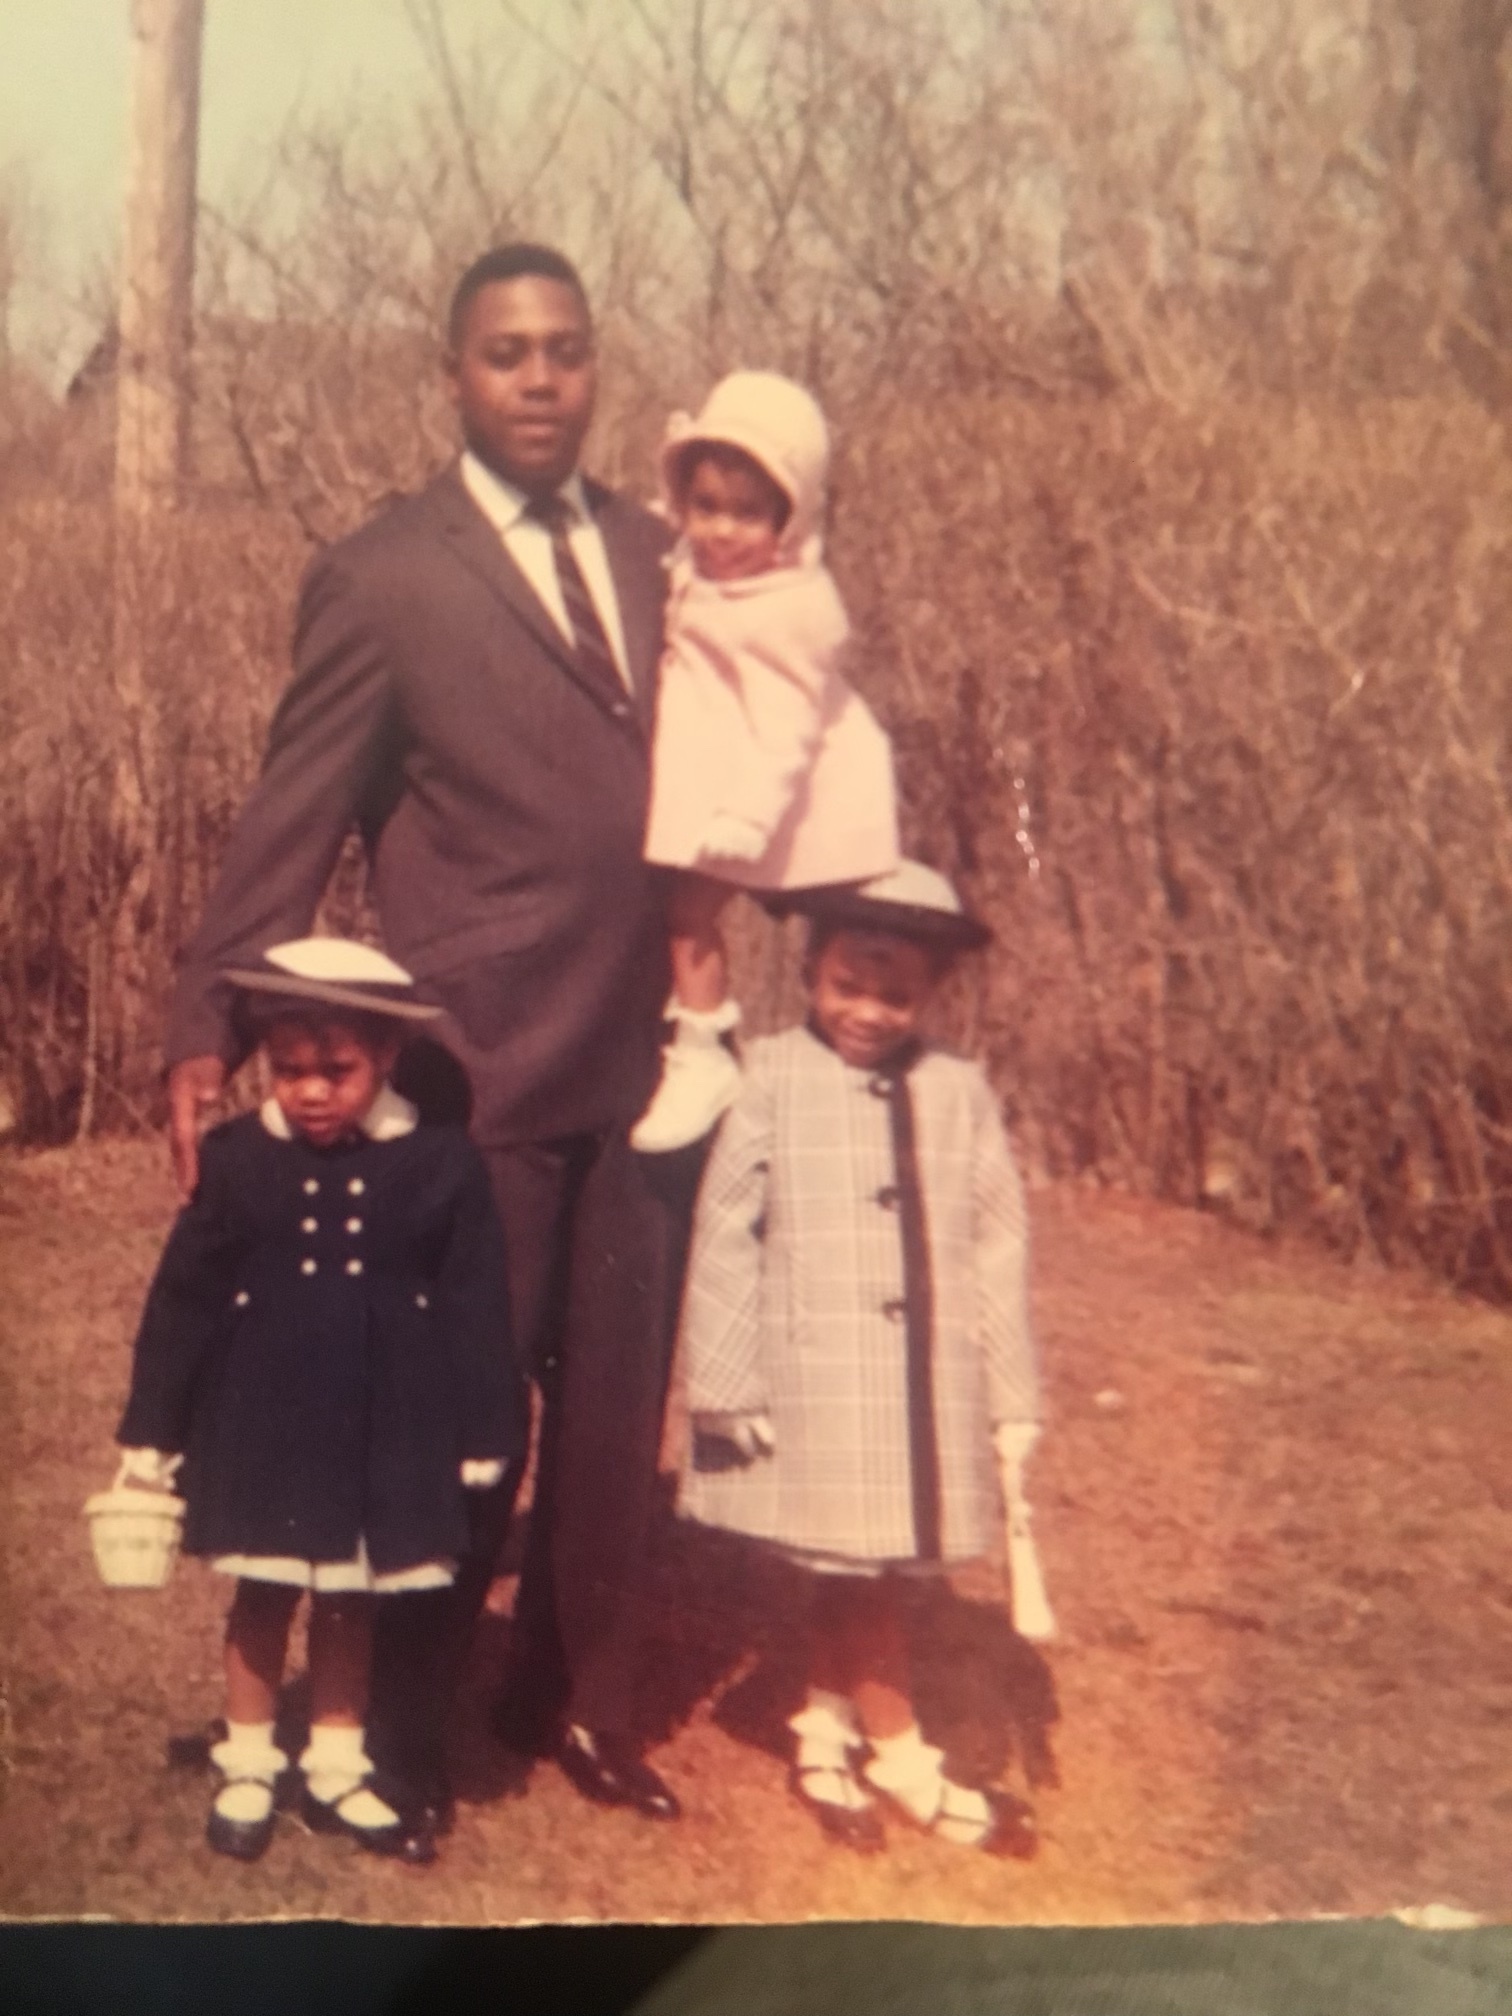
135, 1534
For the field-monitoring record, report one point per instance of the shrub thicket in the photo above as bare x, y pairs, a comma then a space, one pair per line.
1172, 508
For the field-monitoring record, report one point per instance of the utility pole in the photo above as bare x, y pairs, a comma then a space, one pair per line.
152, 439
157, 253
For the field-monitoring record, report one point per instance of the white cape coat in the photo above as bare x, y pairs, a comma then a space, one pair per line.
754, 718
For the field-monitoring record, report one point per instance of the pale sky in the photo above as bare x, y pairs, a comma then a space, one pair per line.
63, 106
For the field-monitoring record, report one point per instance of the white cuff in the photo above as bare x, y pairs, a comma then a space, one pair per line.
150, 1466
482, 1473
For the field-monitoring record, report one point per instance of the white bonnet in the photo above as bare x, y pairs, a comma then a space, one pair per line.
778, 425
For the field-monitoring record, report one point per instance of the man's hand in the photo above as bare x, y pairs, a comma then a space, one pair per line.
193, 1087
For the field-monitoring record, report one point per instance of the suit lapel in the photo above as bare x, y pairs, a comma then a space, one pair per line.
478, 546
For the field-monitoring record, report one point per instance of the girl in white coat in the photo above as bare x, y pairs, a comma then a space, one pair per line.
856, 1340
769, 772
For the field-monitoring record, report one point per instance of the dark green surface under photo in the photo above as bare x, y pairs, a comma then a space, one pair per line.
1377, 1968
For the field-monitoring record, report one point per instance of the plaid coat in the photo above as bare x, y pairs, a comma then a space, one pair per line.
858, 1269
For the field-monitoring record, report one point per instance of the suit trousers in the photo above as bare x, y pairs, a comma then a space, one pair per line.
596, 1237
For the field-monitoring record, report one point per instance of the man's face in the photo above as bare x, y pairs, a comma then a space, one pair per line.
325, 1076
523, 378
868, 991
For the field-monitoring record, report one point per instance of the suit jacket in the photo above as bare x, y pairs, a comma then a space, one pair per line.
502, 799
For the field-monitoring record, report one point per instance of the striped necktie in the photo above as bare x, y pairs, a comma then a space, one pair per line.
591, 648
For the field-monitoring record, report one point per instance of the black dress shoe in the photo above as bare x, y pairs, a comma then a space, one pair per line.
610, 1771
436, 1815
243, 1840
408, 1840
858, 1827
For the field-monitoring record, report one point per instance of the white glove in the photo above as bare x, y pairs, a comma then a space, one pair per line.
1032, 1616
154, 1468
1014, 1442
749, 1434
728, 837
482, 1473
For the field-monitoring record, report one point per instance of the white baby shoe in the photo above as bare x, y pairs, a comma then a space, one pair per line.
699, 1081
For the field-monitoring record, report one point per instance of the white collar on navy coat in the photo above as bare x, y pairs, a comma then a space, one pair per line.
389, 1118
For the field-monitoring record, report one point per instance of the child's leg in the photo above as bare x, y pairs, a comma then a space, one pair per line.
700, 965
905, 1767
336, 1764
257, 1637
341, 1659
700, 1077
826, 1728
257, 1642
875, 1657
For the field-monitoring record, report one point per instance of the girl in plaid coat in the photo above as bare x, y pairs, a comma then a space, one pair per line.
856, 1340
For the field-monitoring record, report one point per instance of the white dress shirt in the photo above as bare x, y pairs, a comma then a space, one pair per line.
528, 544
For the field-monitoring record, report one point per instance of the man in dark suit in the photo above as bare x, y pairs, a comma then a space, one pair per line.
474, 689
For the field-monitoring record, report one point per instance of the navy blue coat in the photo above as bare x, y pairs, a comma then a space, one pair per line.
326, 1339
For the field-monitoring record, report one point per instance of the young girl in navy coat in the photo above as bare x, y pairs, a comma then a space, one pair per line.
324, 1365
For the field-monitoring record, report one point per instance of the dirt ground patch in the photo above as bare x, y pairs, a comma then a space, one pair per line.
1275, 1508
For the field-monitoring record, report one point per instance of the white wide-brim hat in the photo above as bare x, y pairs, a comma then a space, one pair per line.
911, 901
776, 423
337, 972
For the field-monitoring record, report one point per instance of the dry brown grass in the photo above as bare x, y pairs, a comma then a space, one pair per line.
1208, 711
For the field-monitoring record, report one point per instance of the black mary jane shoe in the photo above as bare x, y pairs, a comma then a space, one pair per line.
410, 1839
857, 1827
1010, 1828
242, 1840
611, 1772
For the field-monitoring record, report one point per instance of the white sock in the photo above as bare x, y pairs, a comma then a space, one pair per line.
908, 1770
250, 1761
827, 1733
335, 1765
707, 1024
826, 1721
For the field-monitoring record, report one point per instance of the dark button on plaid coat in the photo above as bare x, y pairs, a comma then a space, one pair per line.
796, 1303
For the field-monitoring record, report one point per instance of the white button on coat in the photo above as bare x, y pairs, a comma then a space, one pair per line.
356, 1187
309, 1225
354, 1225
354, 1266
311, 1186
307, 1266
